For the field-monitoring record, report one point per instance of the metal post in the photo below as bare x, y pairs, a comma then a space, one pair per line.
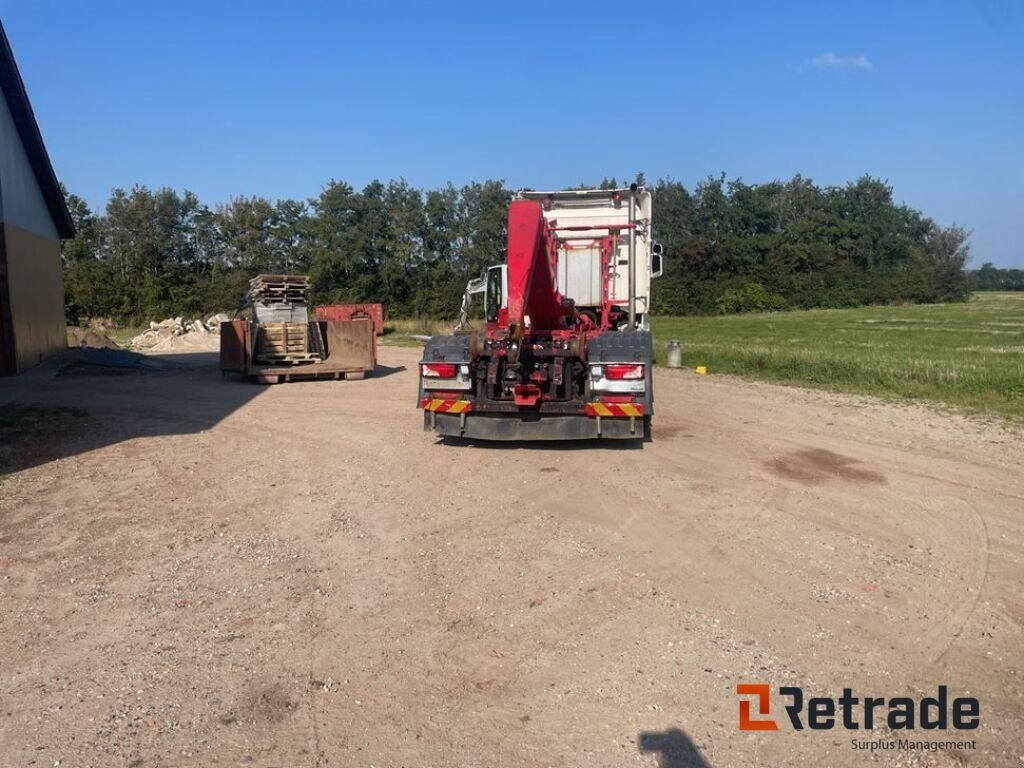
632, 257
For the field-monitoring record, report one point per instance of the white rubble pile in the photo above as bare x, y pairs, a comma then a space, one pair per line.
177, 333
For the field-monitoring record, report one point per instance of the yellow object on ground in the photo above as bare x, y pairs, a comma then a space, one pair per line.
701, 370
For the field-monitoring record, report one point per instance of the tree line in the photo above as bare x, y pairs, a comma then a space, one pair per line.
729, 247
992, 278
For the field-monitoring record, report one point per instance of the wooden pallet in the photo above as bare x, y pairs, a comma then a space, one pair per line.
284, 342
288, 359
288, 279
277, 295
285, 289
307, 374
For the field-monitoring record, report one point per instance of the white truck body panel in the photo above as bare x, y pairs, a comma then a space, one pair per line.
579, 269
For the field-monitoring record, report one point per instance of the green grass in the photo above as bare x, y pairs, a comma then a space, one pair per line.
402, 333
123, 335
968, 355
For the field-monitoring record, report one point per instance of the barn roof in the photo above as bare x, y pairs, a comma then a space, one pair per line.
21, 110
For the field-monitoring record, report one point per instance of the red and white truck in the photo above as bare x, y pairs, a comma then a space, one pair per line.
566, 351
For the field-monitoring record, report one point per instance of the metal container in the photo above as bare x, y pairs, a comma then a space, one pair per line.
353, 312
675, 354
233, 346
280, 313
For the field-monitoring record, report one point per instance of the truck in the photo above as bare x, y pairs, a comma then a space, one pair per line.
566, 350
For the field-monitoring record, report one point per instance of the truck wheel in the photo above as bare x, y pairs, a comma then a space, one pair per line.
648, 437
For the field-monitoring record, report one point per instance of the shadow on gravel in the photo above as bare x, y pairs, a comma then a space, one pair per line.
674, 749
382, 371
84, 399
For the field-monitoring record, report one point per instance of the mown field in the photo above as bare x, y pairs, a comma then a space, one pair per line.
969, 355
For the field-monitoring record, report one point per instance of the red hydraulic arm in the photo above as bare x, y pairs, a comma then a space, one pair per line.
534, 303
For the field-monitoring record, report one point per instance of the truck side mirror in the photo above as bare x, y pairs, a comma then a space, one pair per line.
656, 251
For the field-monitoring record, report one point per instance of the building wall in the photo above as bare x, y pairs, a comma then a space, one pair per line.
35, 289
32, 304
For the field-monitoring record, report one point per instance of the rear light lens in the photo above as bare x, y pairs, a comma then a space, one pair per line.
445, 376
624, 372
439, 370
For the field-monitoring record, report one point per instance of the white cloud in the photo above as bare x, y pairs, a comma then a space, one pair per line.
860, 61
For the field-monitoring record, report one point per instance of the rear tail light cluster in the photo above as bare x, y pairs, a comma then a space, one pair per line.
626, 378
449, 376
619, 372
439, 370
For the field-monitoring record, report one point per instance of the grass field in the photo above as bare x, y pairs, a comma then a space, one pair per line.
969, 355
124, 334
403, 333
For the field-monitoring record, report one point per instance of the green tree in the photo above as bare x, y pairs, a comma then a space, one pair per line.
729, 246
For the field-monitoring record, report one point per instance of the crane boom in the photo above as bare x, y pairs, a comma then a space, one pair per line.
534, 303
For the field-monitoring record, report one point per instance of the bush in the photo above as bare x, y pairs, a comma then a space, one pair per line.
749, 297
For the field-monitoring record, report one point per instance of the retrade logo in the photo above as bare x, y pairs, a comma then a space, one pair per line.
853, 713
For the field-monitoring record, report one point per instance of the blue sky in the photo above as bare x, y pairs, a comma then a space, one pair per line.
277, 98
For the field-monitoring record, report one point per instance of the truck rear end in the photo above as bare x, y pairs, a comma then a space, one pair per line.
544, 367
546, 390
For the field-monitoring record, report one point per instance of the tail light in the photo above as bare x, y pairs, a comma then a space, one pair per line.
616, 372
445, 376
439, 370
619, 378
623, 372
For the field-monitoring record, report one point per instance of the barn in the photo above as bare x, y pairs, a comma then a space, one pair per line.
34, 218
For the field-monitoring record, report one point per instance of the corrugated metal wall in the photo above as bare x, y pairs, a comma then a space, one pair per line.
36, 294
32, 317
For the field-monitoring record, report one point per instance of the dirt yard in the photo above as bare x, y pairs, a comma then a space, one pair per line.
199, 572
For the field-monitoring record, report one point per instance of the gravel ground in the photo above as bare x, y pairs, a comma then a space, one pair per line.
205, 572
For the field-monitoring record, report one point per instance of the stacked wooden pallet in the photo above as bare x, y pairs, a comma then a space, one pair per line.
284, 343
279, 289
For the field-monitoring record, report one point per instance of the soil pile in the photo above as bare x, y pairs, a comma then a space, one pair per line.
89, 338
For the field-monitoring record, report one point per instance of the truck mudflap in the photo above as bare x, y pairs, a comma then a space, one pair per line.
481, 426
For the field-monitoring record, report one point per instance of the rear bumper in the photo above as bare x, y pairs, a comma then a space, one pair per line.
518, 427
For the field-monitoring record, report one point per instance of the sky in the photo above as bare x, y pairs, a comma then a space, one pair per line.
275, 99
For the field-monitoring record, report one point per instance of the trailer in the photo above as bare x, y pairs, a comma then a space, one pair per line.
349, 350
548, 366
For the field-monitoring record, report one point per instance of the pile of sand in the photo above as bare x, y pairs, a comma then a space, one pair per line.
189, 342
89, 338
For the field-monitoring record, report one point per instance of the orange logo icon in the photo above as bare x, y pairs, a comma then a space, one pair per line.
762, 692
